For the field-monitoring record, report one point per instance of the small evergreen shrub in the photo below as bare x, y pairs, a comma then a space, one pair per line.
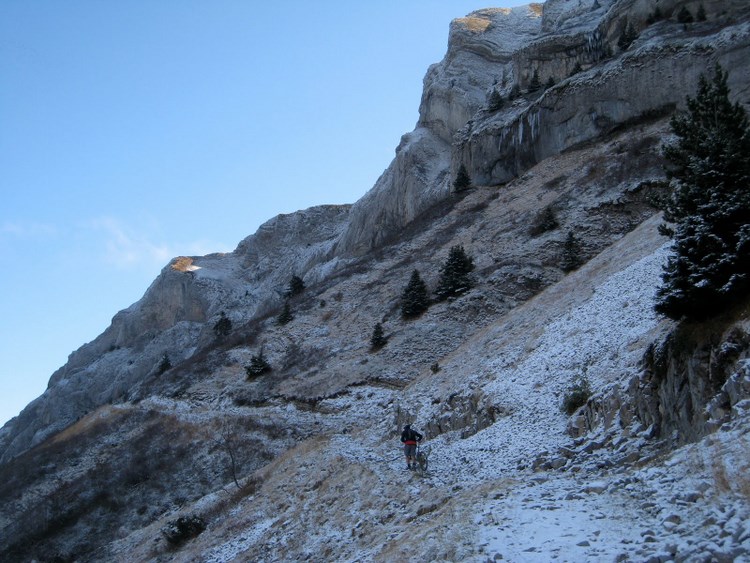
654, 16
628, 35
455, 274
462, 181
258, 365
223, 326
495, 101
434, 368
684, 16
164, 365
378, 339
577, 396
295, 287
535, 83
701, 13
286, 315
545, 221
571, 258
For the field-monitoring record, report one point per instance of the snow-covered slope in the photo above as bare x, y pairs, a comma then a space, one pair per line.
520, 489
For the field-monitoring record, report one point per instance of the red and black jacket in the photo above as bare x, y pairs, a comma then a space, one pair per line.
410, 437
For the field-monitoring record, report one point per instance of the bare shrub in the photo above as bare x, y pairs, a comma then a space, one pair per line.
183, 528
545, 221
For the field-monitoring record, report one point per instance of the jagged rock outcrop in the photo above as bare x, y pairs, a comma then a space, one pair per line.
574, 47
454, 90
686, 371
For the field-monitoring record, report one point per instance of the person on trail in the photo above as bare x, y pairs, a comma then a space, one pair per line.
410, 438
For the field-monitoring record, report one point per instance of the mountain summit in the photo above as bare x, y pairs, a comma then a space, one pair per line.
244, 409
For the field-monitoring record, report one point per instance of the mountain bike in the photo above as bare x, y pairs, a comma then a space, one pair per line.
422, 457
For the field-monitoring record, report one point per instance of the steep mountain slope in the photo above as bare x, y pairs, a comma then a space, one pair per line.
303, 462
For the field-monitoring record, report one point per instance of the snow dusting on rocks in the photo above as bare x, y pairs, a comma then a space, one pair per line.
346, 494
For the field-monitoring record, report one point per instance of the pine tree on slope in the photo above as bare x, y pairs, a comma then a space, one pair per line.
572, 257
223, 326
463, 180
286, 316
415, 298
455, 275
495, 102
295, 287
378, 339
258, 365
709, 205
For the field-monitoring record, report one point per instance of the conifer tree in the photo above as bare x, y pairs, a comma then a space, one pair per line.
378, 339
495, 101
164, 365
223, 326
415, 298
462, 181
286, 315
571, 255
709, 206
295, 287
684, 16
258, 365
543, 222
535, 83
629, 34
455, 274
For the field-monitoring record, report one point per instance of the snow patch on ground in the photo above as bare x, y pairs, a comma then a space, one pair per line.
247, 538
593, 339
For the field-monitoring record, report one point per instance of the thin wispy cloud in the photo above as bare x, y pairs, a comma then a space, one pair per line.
27, 229
127, 247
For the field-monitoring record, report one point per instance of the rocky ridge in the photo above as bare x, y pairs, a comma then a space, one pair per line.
483, 374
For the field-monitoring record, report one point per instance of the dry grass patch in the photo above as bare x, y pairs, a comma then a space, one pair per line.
473, 24
107, 414
184, 264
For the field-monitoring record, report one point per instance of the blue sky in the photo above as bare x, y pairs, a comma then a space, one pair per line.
133, 132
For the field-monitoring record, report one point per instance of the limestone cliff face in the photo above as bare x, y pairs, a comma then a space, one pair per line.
598, 87
416, 179
481, 48
596, 92
454, 90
